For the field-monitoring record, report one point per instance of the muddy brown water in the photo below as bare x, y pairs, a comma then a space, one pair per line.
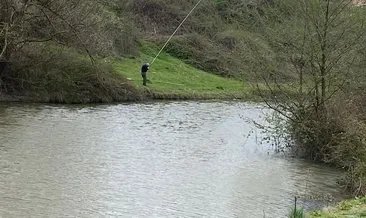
163, 159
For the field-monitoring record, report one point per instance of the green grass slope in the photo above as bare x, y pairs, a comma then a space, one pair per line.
171, 78
350, 208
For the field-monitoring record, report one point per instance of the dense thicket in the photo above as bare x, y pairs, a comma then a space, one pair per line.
44, 45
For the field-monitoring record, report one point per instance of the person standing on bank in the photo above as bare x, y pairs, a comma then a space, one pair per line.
144, 70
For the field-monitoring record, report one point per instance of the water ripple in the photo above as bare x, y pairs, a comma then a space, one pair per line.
177, 159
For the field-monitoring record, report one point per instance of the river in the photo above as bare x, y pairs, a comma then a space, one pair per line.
162, 159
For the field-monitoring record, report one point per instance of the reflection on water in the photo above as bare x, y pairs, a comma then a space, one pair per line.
182, 159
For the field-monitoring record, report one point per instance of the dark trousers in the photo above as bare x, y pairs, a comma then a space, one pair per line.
144, 78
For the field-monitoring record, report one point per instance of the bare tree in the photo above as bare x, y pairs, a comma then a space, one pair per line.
316, 41
81, 24
319, 49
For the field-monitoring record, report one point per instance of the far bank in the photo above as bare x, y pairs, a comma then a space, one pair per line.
70, 78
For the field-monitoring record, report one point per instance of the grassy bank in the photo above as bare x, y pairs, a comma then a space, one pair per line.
57, 74
349, 208
171, 78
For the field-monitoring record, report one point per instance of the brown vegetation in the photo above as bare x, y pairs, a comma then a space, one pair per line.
325, 119
35, 55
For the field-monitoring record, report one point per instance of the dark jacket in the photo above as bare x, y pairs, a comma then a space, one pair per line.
144, 68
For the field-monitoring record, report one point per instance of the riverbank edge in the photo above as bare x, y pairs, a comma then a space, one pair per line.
348, 208
144, 96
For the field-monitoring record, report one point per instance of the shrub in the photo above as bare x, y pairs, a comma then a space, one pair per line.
59, 74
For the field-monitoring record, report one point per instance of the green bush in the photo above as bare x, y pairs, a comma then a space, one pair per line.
57, 74
298, 213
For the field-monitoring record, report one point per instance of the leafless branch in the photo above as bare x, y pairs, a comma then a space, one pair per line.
5, 43
73, 30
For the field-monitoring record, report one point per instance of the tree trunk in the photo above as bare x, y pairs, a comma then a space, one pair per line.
323, 63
